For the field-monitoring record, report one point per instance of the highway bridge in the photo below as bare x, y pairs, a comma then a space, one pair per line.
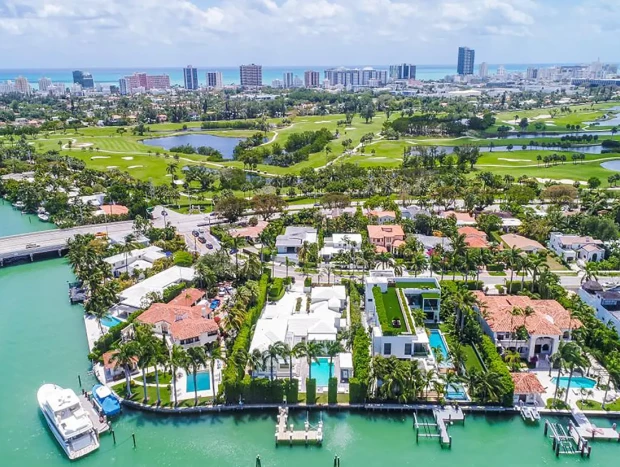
34, 245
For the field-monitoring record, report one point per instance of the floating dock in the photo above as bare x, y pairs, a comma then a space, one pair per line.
285, 434
529, 414
438, 428
588, 431
100, 422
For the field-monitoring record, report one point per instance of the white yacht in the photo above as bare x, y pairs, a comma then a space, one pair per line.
68, 420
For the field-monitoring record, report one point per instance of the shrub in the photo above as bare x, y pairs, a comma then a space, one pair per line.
358, 385
514, 287
183, 259
357, 391
332, 391
310, 391
262, 390
276, 289
173, 291
495, 364
291, 389
471, 284
495, 267
308, 282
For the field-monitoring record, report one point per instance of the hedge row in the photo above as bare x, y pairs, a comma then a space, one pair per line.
310, 391
232, 375
495, 364
332, 391
173, 291
276, 289
496, 267
358, 385
470, 284
514, 287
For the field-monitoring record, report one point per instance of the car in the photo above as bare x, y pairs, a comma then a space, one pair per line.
195, 233
210, 246
233, 251
202, 240
317, 205
101, 234
32, 245
201, 230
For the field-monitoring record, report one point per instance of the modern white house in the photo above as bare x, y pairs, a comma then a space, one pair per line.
400, 296
141, 259
606, 302
537, 336
340, 243
574, 247
289, 243
297, 318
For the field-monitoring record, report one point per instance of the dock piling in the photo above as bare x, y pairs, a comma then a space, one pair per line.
113, 436
133, 435
80, 380
258, 463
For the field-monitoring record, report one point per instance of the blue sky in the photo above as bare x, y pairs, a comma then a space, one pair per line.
128, 33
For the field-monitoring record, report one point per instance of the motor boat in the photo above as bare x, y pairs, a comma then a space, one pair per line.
44, 216
107, 402
68, 421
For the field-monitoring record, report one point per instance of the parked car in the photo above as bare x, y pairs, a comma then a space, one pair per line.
202, 240
210, 246
195, 233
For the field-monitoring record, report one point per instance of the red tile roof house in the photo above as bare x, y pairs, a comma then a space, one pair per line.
386, 237
188, 297
112, 370
462, 218
183, 325
474, 238
548, 325
528, 389
250, 233
383, 217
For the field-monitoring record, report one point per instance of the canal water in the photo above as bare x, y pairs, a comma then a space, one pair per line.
43, 340
223, 144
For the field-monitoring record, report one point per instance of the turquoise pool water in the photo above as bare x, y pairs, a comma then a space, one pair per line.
576, 382
203, 381
110, 321
320, 371
436, 341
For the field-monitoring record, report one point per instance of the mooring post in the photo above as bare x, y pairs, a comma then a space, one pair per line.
133, 435
80, 380
335, 461
113, 436
258, 461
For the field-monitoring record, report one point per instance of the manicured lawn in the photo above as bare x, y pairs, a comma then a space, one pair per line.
472, 362
322, 398
138, 395
164, 378
496, 273
392, 310
414, 285
555, 265
595, 405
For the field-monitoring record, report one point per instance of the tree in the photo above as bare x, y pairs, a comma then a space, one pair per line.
196, 358
574, 358
126, 358
178, 359
272, 353
230, 207
332, 348
594, 183
368, 112
267, 205
311, 351
213, 353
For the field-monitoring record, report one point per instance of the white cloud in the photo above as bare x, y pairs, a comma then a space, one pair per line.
227, 32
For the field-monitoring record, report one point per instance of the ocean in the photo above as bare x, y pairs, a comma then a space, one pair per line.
108, 76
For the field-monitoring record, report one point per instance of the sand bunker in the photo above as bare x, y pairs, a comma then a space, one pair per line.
127, 158
99, 157
179, 182
112, 167
82, 145
563, 181
350, 128
324, 121
135, 166
513, 160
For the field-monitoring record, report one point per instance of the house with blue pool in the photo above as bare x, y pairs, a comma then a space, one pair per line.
396, 309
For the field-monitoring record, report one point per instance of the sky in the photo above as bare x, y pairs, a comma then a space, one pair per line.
159, 33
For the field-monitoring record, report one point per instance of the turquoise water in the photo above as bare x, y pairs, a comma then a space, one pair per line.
203, 381
110, 321
437, 342
13, 222
575, 382
320, 371
43, 340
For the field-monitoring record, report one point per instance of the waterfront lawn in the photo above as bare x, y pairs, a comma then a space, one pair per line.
559, 404
595, 405
322, 398
164, 378
555, 265
137, 395
472, 362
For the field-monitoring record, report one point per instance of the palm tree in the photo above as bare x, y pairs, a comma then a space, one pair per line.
213, 353
272, 353
332, 348
513, 259
255, 362
127, 248
178, 359
161, 357
289, 352
513, 360
311, 350
590, 272
459, 357
575, 358
196, 358
126, 357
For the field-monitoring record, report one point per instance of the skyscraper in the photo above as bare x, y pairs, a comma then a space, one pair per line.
311, 79
84, 79
465, 64
21, 85
44, 84
287, 79
483, 70
190, 77
251, 76
214, 80
404, 71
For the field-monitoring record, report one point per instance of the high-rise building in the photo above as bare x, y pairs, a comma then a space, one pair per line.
214, 80
276, 83
190, 77
21, 85
143, 82
532, 73
354, 76
123, 86
44, 84
297, 82
465, 64
501, 71
483, 70
403, 71
311, 79
251, 76
287, 79
84, 79
160, 82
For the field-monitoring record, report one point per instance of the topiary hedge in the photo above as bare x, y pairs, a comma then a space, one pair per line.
495, 364
262, 390
310, 391
332, 391
358, 385
291, 389
173, 291
276, 289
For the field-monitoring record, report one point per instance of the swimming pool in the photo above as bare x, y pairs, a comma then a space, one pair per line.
320, 371
576, 382
437, 341
110, 321
203, 381
456, 392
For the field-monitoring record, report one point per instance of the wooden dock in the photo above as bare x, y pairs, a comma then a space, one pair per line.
285, 433
99, 422
583, 428
443, 417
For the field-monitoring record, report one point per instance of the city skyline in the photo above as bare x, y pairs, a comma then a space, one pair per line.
502, 31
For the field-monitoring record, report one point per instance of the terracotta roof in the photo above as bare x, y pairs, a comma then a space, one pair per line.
527, 383
380, 249
591, 247
249, 231
385, 231
397, 243
460, 216
549, 318
572, 239
187, 297
110, 364
379, 213
520, 242
114, 209
184, 322
474, 238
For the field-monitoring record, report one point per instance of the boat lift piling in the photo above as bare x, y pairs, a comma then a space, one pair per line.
336, 461
566, 443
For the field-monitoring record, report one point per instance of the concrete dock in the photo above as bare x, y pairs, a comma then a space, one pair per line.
99, 422
587, 430
285, 434
443, 417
